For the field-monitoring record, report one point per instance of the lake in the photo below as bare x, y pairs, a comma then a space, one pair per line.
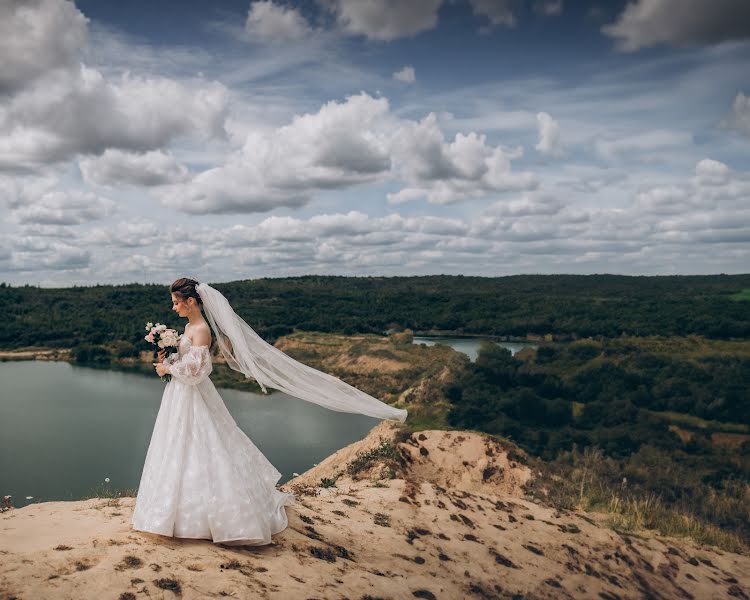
64, 428
470, 346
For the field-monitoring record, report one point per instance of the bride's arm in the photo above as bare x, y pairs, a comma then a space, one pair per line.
193, 368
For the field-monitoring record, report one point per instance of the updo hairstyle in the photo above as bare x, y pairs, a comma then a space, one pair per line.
185, 288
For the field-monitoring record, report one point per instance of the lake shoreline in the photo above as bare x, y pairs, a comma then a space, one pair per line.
52, 354
495, 338
35, 353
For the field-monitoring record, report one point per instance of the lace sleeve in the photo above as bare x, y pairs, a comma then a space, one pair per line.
171, 358
194, 366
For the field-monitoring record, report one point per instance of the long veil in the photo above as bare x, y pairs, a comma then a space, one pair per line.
245, 351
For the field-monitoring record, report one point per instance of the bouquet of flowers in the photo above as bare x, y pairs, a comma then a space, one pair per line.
164, 338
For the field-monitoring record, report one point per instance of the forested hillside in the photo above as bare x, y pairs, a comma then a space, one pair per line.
563, 305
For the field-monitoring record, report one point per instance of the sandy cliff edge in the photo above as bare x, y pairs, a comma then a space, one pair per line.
440, 514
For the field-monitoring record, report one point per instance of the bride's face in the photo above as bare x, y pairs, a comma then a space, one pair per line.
181, 307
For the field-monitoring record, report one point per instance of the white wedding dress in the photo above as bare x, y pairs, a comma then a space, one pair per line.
203, 477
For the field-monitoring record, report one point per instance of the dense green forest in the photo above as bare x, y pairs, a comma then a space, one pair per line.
567, 306
625, 397
649, 374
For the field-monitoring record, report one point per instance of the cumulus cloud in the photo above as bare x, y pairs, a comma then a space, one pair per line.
712, 172
685, 222
86, 114
550, 142
702, 202
271, 22
646, 23
739, 116
58, 257
446, 172
385, 20
115, 167
407, 75
340, 145
345, 144
127, 235
61, 208
529, 204
36, 37
55, 107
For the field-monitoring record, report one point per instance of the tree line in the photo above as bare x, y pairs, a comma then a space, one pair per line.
566, 306
621, 397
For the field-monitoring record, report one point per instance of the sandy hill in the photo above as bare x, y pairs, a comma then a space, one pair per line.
436, 514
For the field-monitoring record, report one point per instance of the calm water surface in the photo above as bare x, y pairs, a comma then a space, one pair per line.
469, 346
64, 428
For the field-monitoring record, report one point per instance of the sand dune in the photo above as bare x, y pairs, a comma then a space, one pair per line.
447, 520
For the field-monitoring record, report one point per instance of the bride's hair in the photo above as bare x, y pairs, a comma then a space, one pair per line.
185, 288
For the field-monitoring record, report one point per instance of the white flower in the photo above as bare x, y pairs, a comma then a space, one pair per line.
169, 337
160, 343
106, 479
149, 325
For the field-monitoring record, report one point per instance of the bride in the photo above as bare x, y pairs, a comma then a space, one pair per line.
203, 477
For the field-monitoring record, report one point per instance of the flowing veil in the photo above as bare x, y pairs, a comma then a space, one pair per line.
245, 351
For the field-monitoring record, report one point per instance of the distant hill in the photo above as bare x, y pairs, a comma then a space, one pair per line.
566, 306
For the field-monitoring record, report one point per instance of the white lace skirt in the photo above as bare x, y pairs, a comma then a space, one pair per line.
203, 477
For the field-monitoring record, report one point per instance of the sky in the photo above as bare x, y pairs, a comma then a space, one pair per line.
141, 141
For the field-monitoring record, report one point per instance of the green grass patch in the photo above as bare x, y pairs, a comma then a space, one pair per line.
741, 295
364, 460
693, 422
589, 481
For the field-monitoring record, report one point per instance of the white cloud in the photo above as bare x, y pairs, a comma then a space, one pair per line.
739, 116
646, 23
407, 75
271, 22
709, 207
712, 172
62, 208
133, 267
641, 146
115, 167
499, 12
127, 235
84, 113
549, 136
345, 144
341, 145
56, 107
549, 8
385, 20
445, 172
530, 204
58, 257
682, 223
38, 36
660, 200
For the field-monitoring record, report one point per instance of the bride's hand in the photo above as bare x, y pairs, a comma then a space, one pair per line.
161, 369
162, 355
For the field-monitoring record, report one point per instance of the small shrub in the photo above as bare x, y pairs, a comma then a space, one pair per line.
365, 459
